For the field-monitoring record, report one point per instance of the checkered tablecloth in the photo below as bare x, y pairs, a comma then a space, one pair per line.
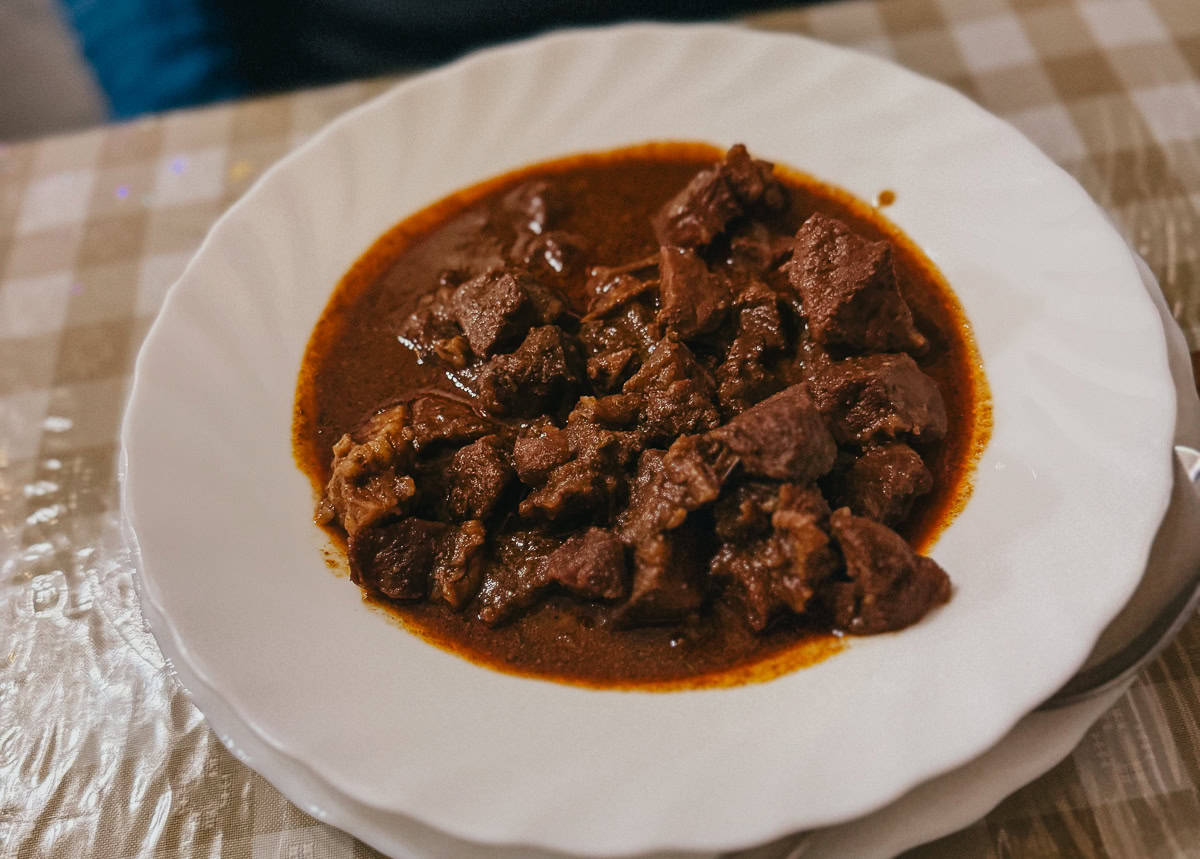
101, 752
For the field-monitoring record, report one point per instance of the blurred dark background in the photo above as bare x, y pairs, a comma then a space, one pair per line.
69, 63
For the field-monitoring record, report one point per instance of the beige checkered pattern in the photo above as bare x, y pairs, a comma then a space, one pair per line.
95, 226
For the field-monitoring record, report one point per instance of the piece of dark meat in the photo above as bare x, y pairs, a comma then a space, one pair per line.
395, 558
538, 449
590, 565
545, 370
679, 393
433, 332
753, 181
592, 481
537, 206
496, 309
754, 250
479, 474
615, 411
614, 346
668, 581
551, 254
744, 377
776, 550
516, 578
576, 489
784, 437
698, 213
717, 195
371, 473
879, 398
607, 370
458, 569
441, 421
883, 483
745, 513
614, 292
694, 300
890, 586
669, 487
849, 290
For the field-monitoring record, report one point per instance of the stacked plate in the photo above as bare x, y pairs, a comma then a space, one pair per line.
418, 752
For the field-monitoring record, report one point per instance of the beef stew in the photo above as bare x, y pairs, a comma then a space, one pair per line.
658, 417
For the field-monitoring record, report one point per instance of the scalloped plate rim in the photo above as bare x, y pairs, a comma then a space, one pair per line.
379, 103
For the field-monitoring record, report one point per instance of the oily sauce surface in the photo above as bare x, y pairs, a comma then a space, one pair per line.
354, 363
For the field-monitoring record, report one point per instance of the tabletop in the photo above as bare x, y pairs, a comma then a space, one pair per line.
101, 751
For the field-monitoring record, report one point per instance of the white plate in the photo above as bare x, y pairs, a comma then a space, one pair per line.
1066, 501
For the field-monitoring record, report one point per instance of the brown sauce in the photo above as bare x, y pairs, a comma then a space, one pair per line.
354, 363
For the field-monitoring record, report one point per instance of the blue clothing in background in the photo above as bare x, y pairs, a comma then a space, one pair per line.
151, 55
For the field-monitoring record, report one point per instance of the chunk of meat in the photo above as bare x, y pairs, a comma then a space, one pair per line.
432, 330
479, 474
396, 557
779, 571
458, 569
879, 398
745, 512
370, 476
890, 586
543, 371
667, 489
609, 293
698, 213
575, 489
679, 393
754, 249
550, 254
783, 437
668, 581
753, 181
883, 483
516, 580
613, 411
539, 448
849, 289
607, 370
592, 481
717, 195
614, 348
593, 440
744, 377
590, 565
759, 322
438, 420
694, 300
537, 205
549, 306
494, 311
